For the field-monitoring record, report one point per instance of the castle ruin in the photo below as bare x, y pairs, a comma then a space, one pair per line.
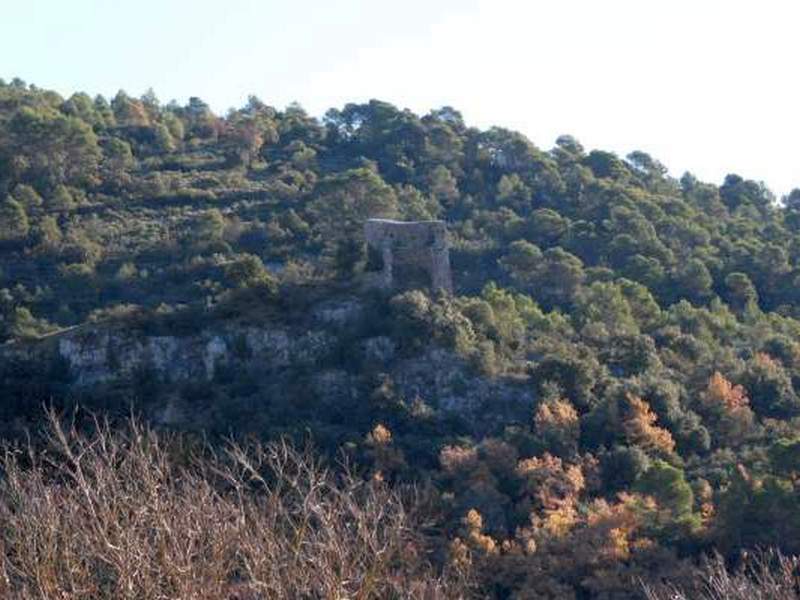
420, 244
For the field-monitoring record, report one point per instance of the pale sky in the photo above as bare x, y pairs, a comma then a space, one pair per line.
709, 86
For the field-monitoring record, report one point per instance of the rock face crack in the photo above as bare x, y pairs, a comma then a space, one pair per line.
420, 243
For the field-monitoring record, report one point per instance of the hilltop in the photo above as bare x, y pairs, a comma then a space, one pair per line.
610, 391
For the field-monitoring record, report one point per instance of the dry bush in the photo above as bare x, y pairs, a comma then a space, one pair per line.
767, 575
124, 515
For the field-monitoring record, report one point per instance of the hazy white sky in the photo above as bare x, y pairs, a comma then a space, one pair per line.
709, 86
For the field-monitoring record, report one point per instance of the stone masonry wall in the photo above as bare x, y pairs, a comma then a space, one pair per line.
420, 242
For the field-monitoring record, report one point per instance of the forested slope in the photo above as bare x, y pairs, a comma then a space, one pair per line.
654, 321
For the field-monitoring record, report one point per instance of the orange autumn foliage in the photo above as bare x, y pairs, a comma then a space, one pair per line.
379, 436
615, 523
549, 482
728, 406
387, 459
474, 525
721, 392
455, 459
641, 430
555, 413
557, 522
557, 423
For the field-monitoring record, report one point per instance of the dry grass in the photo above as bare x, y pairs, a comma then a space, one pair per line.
117, 515
766, 575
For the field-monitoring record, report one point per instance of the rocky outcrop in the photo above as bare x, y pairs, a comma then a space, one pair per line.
339, 313
97, 355
311, 353
442, 378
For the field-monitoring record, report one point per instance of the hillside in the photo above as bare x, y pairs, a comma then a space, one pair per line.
610, 392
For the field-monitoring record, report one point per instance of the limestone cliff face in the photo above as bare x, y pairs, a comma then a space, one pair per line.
438, 377
101, 355
96, 354
441, 376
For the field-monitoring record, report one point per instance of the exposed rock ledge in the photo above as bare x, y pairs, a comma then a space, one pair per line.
98, 355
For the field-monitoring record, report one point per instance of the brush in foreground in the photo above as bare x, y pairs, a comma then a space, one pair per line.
127, 515
766, 575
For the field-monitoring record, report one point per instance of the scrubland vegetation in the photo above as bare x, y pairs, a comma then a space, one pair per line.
126, 513
648, 326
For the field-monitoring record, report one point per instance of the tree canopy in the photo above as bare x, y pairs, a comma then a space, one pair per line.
629, 341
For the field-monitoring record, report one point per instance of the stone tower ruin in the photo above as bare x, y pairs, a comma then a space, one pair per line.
422, 244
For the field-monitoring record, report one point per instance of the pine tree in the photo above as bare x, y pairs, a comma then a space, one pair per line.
13, 220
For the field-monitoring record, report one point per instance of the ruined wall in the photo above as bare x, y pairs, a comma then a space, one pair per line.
423, 243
